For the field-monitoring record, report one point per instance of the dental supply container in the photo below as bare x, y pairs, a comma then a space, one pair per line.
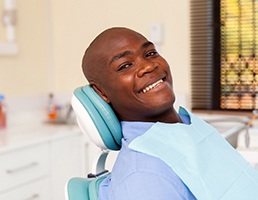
52, 108
2, 112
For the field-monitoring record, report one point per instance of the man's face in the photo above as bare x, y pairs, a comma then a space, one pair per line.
136, 79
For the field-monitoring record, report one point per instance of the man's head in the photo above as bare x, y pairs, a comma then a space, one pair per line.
125, 69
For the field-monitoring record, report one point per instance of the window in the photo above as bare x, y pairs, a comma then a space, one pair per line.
224, 39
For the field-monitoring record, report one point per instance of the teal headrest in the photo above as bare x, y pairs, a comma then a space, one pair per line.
101, 114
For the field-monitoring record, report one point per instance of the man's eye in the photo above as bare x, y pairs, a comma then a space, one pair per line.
152, 53
124, 66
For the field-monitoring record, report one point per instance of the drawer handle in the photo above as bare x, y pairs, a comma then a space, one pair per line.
21, 168
34, 196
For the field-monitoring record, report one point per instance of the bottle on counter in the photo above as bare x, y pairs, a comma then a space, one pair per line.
52, 108
2, 112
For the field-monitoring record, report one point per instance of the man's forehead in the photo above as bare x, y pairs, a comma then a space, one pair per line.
115, 42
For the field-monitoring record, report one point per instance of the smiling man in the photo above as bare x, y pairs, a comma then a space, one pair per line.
164, 154
126, 70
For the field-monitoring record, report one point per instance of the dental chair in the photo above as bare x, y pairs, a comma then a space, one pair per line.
97, 120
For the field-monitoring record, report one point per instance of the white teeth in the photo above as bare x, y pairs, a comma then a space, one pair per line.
148, 88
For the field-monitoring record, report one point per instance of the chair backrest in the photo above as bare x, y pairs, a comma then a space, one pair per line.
97, 120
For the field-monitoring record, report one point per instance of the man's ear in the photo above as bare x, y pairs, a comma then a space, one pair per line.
100, 92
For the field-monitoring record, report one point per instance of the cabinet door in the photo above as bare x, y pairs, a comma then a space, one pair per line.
21, 166
66, 162
38, 190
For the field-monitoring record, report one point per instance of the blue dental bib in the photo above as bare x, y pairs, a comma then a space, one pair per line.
210, 167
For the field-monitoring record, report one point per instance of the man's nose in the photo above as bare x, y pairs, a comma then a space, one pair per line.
146, 67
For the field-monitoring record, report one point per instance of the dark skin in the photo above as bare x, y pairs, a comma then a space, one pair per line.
126, 70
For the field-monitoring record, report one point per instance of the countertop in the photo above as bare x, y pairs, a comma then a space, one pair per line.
12, 138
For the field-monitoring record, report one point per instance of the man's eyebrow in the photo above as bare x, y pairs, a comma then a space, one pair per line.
125, 53
120, 55
146, 44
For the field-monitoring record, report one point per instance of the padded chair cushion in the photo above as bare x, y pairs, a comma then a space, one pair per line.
90, 108
84, 188
77, 189
106, 112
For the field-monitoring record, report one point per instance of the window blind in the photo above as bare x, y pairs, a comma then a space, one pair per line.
201, 53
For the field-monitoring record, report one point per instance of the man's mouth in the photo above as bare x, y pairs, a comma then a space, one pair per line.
150, 87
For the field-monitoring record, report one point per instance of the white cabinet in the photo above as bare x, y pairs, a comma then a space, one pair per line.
23, 165
39, 170
66, 162
37, 190
24, 172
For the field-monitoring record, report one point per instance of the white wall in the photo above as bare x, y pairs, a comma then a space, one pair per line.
53, 34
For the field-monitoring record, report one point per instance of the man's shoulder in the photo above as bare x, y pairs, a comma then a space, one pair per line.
131, 162
136, 172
